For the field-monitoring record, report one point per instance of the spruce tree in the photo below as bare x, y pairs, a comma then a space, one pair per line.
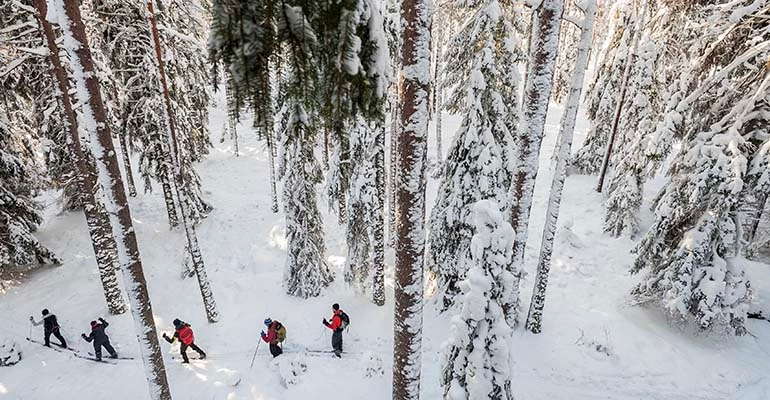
478, 165
477, 362
603, 93
306, 270
19, 213
637, 123
244, 41
688, 256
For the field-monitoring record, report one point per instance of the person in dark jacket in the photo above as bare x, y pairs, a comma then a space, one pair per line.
184, 334
100, 339
50, 327
336, 326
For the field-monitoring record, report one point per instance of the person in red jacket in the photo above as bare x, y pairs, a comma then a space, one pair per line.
187, 338
336, 326
276, 334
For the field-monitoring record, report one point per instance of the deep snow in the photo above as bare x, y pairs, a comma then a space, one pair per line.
594, 345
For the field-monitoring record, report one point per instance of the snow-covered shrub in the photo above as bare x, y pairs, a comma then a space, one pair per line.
10, 353
290, 367
374, 365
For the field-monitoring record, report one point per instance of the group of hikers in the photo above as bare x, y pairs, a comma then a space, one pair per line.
183, 333
276, 332
275, 335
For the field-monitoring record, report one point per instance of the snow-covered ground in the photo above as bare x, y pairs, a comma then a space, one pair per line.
594, 345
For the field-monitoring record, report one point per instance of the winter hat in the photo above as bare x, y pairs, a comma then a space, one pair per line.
93, 324
45, 311
268, 321
177, 322
335, 306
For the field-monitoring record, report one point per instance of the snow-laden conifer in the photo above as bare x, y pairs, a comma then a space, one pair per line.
482, 59
477, 363
689, 255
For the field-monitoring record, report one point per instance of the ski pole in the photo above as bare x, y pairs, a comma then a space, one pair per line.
255, 355
30, 330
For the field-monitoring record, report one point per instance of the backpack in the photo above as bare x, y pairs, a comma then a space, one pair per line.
345, 320
280, 332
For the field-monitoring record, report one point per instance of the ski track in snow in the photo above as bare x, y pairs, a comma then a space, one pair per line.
243, 246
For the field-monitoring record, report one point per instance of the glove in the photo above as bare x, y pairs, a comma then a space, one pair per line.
101, 319
164, 336
31, 319
83, 335
325, 322
262, 334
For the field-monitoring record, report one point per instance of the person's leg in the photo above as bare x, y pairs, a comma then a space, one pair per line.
183, 350
110, 349
275, 350
47, 338
198, 349
98, 351
337, 343
60, 337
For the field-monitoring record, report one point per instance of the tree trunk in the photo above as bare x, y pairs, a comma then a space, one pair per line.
212, 314
436, 99
125, 151
394, 131
234, 138
344, 167
114, 195
544, 45
165, 177
535, 316
326, 147
97, 219
618, 109
271, 165
412, 158
268, 131
378, 247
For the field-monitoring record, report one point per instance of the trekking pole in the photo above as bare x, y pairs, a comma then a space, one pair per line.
255, 355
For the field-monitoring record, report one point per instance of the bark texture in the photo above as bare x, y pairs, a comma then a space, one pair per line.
412, 157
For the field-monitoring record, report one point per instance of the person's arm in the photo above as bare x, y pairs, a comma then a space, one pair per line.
269, 337
169, 339
88, 338
32, 319
104, 323
335, 324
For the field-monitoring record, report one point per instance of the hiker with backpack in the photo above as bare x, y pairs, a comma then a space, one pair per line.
276, 334
50, 327
100, 339
339, 322
186, 337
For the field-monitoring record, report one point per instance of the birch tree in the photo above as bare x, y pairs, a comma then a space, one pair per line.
566, 133
543, 46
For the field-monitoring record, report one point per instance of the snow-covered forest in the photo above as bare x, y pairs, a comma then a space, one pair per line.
503, 199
